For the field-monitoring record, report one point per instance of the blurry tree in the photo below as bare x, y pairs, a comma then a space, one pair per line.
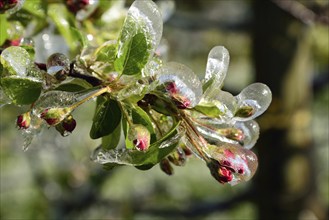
286, 182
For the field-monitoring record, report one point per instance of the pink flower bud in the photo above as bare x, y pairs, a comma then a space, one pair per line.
54, 116
232, 163
140, 137
24, 120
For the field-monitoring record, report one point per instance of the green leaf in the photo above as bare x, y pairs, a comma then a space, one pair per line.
75, 85
106, 52
21, 91
208, 110
139, 116
125, 127
112, 140
3, 28
134, 57
79, 37
106, 119
145, 160
16, 60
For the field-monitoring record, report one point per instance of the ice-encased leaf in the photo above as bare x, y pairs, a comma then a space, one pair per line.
217, 65
133, 157
186, 81
106, 119
224, 101
134, 57
258, 96
143, 17
16, 61
21, 90
242, 162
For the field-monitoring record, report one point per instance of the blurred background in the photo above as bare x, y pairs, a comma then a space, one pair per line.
284, 44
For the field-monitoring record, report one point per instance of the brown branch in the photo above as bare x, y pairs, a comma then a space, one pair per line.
301, 12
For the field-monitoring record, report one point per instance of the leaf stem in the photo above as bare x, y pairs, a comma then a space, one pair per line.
97, 93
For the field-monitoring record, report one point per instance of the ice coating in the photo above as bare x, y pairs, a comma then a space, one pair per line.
57, 62
217, 65
250, 130
118, 156
186, 82
4, 100
143, 16
224, 101
258, 96
242, 162
59, 99
33, 130
17, 59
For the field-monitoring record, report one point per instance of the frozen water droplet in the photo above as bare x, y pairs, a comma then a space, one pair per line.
187, 84
258, 96
57, 62
26, 41
117, 156
217, 65
16, 60
143, 16
242, 162
33, 130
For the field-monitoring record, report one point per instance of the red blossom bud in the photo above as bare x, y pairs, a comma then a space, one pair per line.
23, 121
69, 123
54, 116
225, 175
66, 126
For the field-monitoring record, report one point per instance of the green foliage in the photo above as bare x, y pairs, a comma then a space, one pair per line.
145, 107
106, 119
21, 91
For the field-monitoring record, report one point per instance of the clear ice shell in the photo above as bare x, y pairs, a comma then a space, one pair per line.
56, 99
250, 130
224, 101
236, 158
217, 65
256, 95
33, 130
187, 83
57, 62
143, 16
117, 156
17, 59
